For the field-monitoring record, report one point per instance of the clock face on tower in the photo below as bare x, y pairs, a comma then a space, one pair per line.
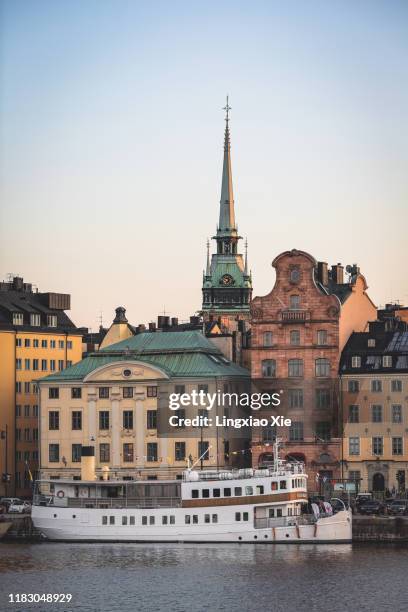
227, 280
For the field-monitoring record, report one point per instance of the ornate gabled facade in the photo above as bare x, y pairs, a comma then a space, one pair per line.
227, 282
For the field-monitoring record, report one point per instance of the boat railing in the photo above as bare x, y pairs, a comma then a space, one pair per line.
107, 502
288, 521
287, 470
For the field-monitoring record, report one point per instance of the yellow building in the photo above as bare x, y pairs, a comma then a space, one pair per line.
36, 339
118, 401
374, 386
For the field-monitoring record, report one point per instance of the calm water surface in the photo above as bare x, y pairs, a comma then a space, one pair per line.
165, 577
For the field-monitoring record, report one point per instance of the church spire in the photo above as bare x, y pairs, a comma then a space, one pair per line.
207, 271
227, 212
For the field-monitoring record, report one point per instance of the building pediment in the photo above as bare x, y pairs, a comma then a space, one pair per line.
126, 371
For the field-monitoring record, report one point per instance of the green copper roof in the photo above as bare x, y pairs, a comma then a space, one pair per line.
179, 354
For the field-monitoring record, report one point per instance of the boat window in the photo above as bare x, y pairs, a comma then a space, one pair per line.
164, 520
187, 519
194, 493
144, 520
111, 520
289, 511
205, 492
151, 520
237, 516
132, 520
216, 492
249, 490
271, 513
215, 518
282, 484
206, 518
274, 486
245, 516
238, 491
195, 518
104, 520
124, 520
227, 492
172, 520
259, 489
279, 512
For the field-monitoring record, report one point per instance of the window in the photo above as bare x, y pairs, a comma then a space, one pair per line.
203, 450
144, 520
397, 446
128, 419
216, 492
295, 337
104, 392
53, 393
18, 435
35, 343
128, 452
52, 344
356, 361
371, 342
76, 393
237, 516
294, 302
104, 419
195, 494
267, 338
396, 386
27, 342
18, 318
44, 365
227, 492
376, 386
238, 491
131, 520
179, 451
27, 437
35, 410
376, 413
18, 341
205, 492
44, 343
35, 435
152, 451
127, 392
69, 344
60, 344
354, 475
26, 387
354, 414
269, 433
76, 420
104, 452
396, 410
378, 445
151, 520
353, 386
18, 387
69, 363
52, 365
354, 446
53, 420
207, 518
18, 410
60, 364
111, 520
151, 391
215, 518
27, 364
323, 398
27, 410
295, 275
296, 431
259, 489
323, 430
18, 364
76, 453
53, 453
180, 389
295, 398
282, 484
322, 367
295, 367
268, 368
51, 320
35, 364
387, 361
321, 337
151, 419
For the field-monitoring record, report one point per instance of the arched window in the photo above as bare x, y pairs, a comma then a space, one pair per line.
268, 368
267, 338
322, 367
295, 367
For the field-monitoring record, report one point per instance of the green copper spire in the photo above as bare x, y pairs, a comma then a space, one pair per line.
227, 212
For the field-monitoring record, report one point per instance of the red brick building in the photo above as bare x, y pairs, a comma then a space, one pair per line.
298, 332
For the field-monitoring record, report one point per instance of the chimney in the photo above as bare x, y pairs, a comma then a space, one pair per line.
18, 283
163, 322
174, 321
152, 326
337, 274
322, 273
194, 320
88, 463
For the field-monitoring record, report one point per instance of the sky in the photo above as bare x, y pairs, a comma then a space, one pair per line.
111, 144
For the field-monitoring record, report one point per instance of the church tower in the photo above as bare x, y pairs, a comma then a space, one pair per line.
227, 283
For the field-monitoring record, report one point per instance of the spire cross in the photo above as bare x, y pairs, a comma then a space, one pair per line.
227, 108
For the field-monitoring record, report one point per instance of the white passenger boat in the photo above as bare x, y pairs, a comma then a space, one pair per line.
265, 505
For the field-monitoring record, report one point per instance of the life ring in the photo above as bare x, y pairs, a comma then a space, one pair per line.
60, 494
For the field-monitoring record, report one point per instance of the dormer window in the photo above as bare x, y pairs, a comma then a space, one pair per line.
371, 342
35, 320
52, 320
294, 302
356, 361
387, 361
18, 318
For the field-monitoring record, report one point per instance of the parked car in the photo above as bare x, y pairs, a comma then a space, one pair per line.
398, 507
387, 503
363, 497
370, 506
19, 506
7, 501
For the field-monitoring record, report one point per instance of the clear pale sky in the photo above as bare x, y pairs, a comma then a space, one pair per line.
111, 144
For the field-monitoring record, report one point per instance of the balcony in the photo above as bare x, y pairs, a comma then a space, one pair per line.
295, 316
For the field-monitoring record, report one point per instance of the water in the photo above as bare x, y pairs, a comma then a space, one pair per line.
190, 578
